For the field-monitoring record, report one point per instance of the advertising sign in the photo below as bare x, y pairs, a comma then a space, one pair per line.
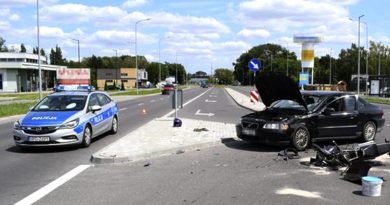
73, 73
303, 79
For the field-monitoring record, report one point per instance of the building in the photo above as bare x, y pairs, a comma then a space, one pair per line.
19, 72
125, 75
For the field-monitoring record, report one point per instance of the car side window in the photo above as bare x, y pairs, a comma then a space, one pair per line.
336, 104
93, 100
102, 99
361, 103
350, 103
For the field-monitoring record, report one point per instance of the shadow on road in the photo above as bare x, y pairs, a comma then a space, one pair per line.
252, 147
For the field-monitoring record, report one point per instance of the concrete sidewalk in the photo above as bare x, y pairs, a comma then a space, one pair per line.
159, 137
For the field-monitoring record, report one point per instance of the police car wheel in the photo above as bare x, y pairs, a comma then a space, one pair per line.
87, 135
114, 125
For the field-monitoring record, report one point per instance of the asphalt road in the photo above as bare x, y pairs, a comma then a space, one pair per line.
23, 172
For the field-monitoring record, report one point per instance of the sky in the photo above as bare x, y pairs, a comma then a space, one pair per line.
200, 34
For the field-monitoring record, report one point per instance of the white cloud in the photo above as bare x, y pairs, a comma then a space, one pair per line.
14, 3
4, 25
14, 17
134, 3
254, 33
51, 32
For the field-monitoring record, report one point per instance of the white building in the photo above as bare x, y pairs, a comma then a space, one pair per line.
19, 72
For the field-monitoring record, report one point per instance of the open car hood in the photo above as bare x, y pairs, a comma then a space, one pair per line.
274, 86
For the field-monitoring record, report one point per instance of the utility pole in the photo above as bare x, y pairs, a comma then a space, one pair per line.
39, 55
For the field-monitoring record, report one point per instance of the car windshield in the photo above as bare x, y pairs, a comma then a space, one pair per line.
312, 102
61, 103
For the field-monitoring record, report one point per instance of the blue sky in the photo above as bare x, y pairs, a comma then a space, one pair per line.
199, 34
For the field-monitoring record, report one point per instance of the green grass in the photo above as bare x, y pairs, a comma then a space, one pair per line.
15, 109
140, 92
23, 96
378, 100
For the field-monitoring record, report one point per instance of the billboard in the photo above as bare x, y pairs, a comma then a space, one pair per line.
73, 75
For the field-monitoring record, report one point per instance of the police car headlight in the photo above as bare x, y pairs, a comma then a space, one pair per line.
17, 125
70, 125
276, 126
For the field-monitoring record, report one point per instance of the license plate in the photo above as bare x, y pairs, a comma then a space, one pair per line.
248, 132
39, 139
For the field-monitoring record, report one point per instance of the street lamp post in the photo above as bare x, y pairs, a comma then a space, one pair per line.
269, 53
39, 55
159, 60
78, 49
358, 81
116, 65
366, 56
330, 67
136, 56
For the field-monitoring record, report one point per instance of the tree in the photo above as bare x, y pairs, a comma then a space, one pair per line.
56, 56
3, 48
224, 76
22, 48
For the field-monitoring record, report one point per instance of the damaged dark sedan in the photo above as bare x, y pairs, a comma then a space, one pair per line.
300, 117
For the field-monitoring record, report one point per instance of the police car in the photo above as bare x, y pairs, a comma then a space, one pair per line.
72, 115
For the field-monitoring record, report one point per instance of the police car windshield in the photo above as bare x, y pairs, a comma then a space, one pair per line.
61, 103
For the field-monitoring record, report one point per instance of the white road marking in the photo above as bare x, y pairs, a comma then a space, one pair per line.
388, 125
190, 101
297, 192
125, 108
161, 98
204, 114
141, 104
32, 198
212, 101
152, 101
212, 96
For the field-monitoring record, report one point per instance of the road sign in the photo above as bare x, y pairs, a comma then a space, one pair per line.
254, 65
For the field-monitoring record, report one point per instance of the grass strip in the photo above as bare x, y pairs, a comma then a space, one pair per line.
15, 109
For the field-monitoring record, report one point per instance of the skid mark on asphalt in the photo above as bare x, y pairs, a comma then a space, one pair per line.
32, 198
298, 192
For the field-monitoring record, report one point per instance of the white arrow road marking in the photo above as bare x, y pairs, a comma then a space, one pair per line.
212, 96
125, 108
255, 65
212, 101
141, 104
32, 198
204, 114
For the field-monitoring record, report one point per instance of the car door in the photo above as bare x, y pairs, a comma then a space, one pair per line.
96, 118
106, 111
341, 121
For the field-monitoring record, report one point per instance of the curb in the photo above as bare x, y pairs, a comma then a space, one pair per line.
144, 156
239, 104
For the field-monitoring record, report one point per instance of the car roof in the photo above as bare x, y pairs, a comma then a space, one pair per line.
78, 93
323, 93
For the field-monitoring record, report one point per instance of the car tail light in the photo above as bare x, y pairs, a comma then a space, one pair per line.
382, 114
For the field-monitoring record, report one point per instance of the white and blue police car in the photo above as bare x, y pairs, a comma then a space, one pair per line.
72, 115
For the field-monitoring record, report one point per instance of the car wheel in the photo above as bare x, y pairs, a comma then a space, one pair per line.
369, 131
114, 125
300, 138
87, 136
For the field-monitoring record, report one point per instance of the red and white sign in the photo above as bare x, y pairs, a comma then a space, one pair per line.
73, 73
69, 76
254, 96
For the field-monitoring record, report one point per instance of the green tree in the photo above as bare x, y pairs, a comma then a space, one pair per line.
224, 76
22, 48
3, 47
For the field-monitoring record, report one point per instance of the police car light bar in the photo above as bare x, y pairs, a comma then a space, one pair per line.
85, 88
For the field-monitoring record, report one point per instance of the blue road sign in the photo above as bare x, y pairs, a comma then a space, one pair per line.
254, 65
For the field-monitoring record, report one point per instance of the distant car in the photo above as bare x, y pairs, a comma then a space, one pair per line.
385, 92
204, 85
299, 118
167, 88
67, 118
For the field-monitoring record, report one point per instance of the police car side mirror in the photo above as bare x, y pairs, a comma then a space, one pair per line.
96, 108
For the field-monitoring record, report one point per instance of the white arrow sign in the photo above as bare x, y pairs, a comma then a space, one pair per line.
255, 66
204, 114
212, 101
